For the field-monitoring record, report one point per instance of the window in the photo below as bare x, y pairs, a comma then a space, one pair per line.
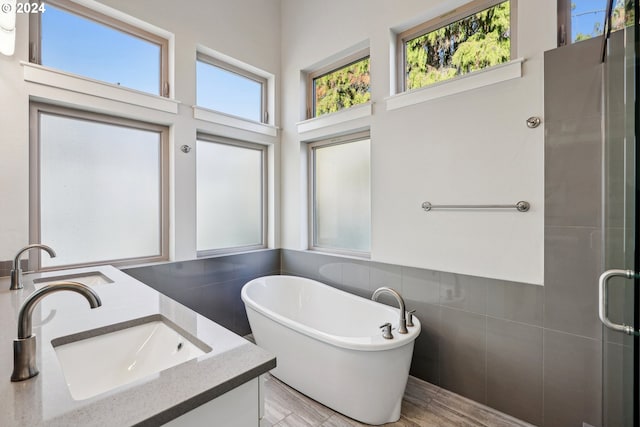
228, 89
467, 39
583, 19
230, 180
81, 41
341, 194
101, 188
341, 86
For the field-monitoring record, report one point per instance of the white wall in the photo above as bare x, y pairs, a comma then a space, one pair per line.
471, 147
247, 30
468, 148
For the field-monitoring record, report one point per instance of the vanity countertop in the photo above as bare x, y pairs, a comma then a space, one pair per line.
45, 400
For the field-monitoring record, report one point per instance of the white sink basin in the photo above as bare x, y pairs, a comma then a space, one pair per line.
90, 279
94, 365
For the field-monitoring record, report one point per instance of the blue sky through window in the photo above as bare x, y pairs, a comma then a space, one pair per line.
228, 92
587, 16
81, 46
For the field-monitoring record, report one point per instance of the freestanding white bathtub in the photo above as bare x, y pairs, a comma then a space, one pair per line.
329, 346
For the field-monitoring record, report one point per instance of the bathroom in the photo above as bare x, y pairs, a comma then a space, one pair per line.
507, 300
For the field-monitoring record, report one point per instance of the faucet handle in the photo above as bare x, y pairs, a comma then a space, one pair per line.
410, 317
386, 331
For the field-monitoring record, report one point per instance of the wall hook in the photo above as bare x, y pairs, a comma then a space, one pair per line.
533, 122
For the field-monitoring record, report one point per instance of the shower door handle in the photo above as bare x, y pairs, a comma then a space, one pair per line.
603, 295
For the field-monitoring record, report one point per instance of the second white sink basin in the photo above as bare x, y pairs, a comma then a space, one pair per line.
91, 279
94, 365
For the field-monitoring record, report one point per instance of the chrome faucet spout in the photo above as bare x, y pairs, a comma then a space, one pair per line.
402, 326
24, 348
16, 271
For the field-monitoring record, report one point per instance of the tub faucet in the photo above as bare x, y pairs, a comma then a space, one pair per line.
402, 326
24, 348
16, 271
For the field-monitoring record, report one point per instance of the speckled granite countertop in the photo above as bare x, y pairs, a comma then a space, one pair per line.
45, 399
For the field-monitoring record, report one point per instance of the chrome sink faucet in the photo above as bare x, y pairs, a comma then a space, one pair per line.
402, 326
24, 348
16, 271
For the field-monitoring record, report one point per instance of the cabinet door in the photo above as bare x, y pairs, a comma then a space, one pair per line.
236, 408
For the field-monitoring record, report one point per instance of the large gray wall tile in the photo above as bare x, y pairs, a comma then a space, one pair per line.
463, 353
426, 355
572, 380
464, 292
356, 277
300, 263
514, 369
420, 285
572, 84
520, 302
618, 385
572, 267
388, 275
255, 264
572, 194
330, 269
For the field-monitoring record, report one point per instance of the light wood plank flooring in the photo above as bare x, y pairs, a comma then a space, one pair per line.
424, 405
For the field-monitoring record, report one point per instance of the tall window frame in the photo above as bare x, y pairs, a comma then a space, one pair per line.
444, 20
35, 229
263, 81
35, 39
263, 149
312, 193
311, 77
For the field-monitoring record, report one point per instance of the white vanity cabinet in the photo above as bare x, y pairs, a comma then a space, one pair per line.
240, 407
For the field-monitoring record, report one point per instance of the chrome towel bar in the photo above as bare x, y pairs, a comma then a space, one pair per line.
521, 206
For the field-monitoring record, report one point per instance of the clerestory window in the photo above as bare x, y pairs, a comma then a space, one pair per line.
83, 41
471, 38
339, 86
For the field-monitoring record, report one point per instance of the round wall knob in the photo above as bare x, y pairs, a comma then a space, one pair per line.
533, 122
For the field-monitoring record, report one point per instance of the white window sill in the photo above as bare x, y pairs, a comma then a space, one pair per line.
71, 82
211, 116
351, 118
496, 74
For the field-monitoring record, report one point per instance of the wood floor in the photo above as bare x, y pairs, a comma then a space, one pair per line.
423, 405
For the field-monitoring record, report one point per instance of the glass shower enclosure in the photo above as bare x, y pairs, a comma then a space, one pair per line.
618, 285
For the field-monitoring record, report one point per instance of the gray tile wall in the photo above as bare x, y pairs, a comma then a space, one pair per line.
211, 286
573, 235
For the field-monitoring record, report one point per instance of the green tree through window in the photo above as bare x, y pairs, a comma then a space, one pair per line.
478, 41
342, 88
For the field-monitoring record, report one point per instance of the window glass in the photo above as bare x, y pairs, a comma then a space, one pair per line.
229, 92
588, 17
100, 190
438, 53
83, 46
341, 88
342, 196
230, 180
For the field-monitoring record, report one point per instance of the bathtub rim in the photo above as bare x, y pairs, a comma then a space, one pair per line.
366, 343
